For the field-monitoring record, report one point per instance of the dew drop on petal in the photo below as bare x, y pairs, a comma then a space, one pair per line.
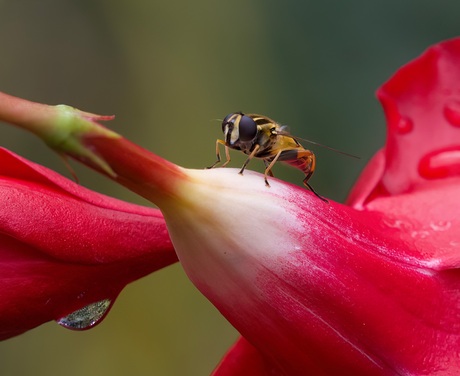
398, 224
452, 112
440, 225
404, 125
422, 234
86, 317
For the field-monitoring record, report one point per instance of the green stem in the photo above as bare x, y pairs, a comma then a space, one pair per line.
76, 133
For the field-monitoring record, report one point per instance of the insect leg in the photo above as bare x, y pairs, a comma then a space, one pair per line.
268, 170
305, 161
227, 155
305, 182
218, 154
267, 163
253, 153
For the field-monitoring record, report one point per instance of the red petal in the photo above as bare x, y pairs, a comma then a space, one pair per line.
38, 205
63, 247
325, 287
422, 107
356, 299
368, 185
242, 359
426, 221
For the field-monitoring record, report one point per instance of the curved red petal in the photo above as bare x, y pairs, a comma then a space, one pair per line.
39, 207
243, 359
368, 185
427, 220
63, 247
321, 286
350, 291
422, 107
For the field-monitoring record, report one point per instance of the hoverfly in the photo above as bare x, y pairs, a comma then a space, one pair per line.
261, 137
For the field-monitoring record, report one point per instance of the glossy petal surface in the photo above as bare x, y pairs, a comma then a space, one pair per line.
63, 247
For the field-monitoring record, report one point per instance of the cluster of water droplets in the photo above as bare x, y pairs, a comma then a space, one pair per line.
432, 227
86, 317
417, 231
451, 112
442, 162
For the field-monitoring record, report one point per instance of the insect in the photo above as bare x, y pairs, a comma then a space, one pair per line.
261, 137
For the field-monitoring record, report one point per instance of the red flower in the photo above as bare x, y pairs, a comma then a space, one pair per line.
63, 247
313, 287
374, 289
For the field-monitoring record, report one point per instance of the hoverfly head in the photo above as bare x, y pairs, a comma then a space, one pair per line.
238, 128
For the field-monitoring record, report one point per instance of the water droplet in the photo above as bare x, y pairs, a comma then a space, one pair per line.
422, 234
86, 317
398, 224
440, 225
440, 163
452, 112
404, 125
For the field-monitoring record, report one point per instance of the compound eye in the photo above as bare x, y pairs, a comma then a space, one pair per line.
226, 121
247, 128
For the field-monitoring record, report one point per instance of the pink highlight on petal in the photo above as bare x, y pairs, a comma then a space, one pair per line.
452, 112
441, 163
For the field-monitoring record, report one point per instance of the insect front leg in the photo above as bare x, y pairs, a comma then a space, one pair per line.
270, 172
227, 154
253, 153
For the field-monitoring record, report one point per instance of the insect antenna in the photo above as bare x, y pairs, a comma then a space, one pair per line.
318, 144
332, 149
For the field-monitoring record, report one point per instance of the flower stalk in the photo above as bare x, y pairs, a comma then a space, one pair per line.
78, 134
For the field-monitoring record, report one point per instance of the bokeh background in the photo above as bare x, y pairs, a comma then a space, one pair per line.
169, 70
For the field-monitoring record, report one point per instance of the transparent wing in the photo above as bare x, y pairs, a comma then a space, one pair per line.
284, 131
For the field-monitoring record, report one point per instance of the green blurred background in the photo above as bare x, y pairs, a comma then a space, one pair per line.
168, 70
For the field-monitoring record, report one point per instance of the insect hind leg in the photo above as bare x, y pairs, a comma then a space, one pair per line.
305, 182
